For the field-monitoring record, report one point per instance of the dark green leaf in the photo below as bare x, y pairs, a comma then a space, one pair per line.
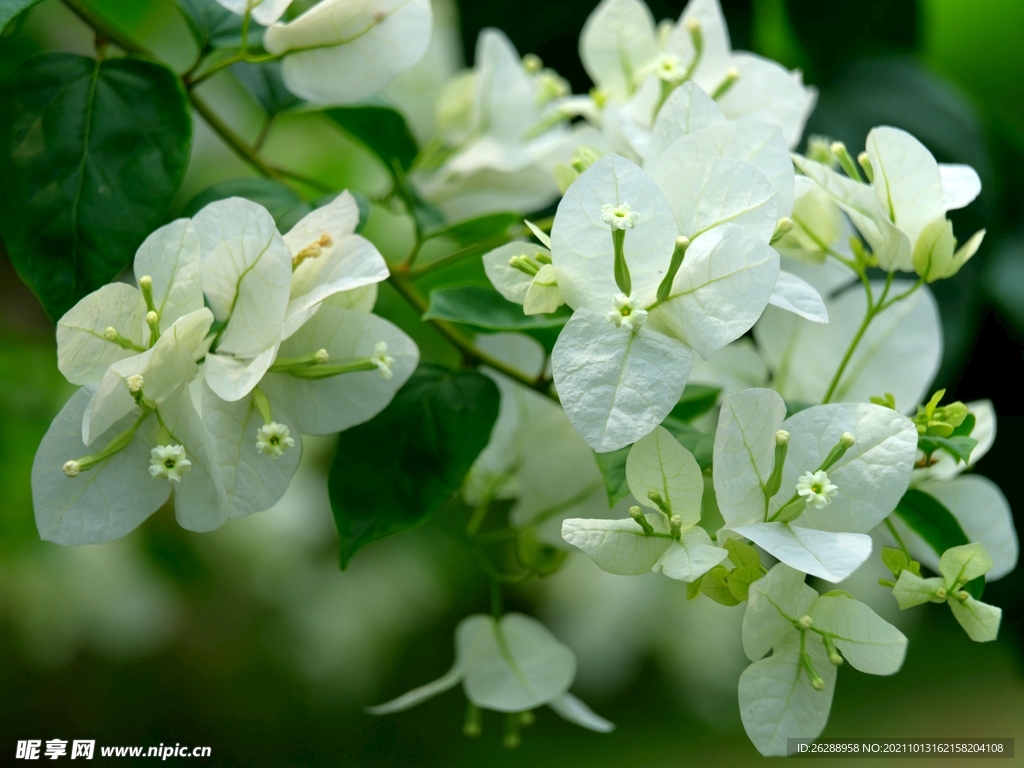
264, 82
959, 447
214, 26
382, 129
364, 208
91, 154
486, 309
700, 444
284, 204
932, 521
11, 8
697, 400
489, 227
393, 472
966, 426
613, 470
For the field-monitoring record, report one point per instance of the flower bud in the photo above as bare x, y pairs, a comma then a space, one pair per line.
146, 283
72, 468
321, 356
847, 439
962, 595
836, 659
110, 333
532, 63
782, 437
782, 228
135, 383
805, 622
941, 593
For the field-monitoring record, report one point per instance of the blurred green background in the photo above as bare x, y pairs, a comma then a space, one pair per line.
251, 641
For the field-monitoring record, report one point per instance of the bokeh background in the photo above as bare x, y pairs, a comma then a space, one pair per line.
250, 640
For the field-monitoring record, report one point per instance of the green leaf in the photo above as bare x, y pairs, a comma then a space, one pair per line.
739, 581
895, 560
715, 584
489, 227
488, 310
700, 444
613, 470
264, 82
91, 155
381, 129
966, 426
11, 8
394, 471
957, 446
214, 26
929, 519
281, 201
697, 400
741, 554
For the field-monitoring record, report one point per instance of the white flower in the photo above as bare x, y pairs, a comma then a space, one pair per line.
272, 439
668, 67
619, 216
382, 360
135, 383
829, 541
627, 312
168, 461
816, 489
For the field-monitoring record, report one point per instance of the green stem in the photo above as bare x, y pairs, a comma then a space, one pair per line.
899, 540
496, 600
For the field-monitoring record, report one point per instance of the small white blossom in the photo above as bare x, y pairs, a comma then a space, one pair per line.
382, 359
619, 216
627, 312
169, 461
272, 439
669, 68
816, 489
135, 383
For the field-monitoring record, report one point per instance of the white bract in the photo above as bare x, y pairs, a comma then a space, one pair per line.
958, 566
618, 374
901, 210
865, 451
635, 67
663, 476
511, 665
341, 51
264, 12
500, 132
899, 353
788, 695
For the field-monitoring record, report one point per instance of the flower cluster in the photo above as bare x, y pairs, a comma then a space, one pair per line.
267, 336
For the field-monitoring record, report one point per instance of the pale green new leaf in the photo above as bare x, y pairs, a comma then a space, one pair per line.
508, 281
691, 556
619, 546
865, 639
253, 481
615, 385
959, 565
543, 296
170, 256
777, 700
979, 620
774, 603
341, 51
658, 462
514, 665
335, 403
83, 352
911, 590
103, 503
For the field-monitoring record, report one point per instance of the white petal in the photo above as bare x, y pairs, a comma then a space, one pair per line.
325, 406
233, 378
616, 386
575, 711
907, 183
246, 272
983, 513
659, 463
717, 49
200, 503
362, 299
618, 546
734, 367
900, 352
797, 296
449, 679
581, 243
777, 701
510, 282
706, 194
825, 554
170, 256
616, 43
745, 453
83, 353
866, 640
265, 12
759, 144
979, 620
691, 556
687, 109
775, 602
722, 288
103, 503
960, 185
872, 475
768, 93
253, 481
507, 95
345, 51
514, 666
